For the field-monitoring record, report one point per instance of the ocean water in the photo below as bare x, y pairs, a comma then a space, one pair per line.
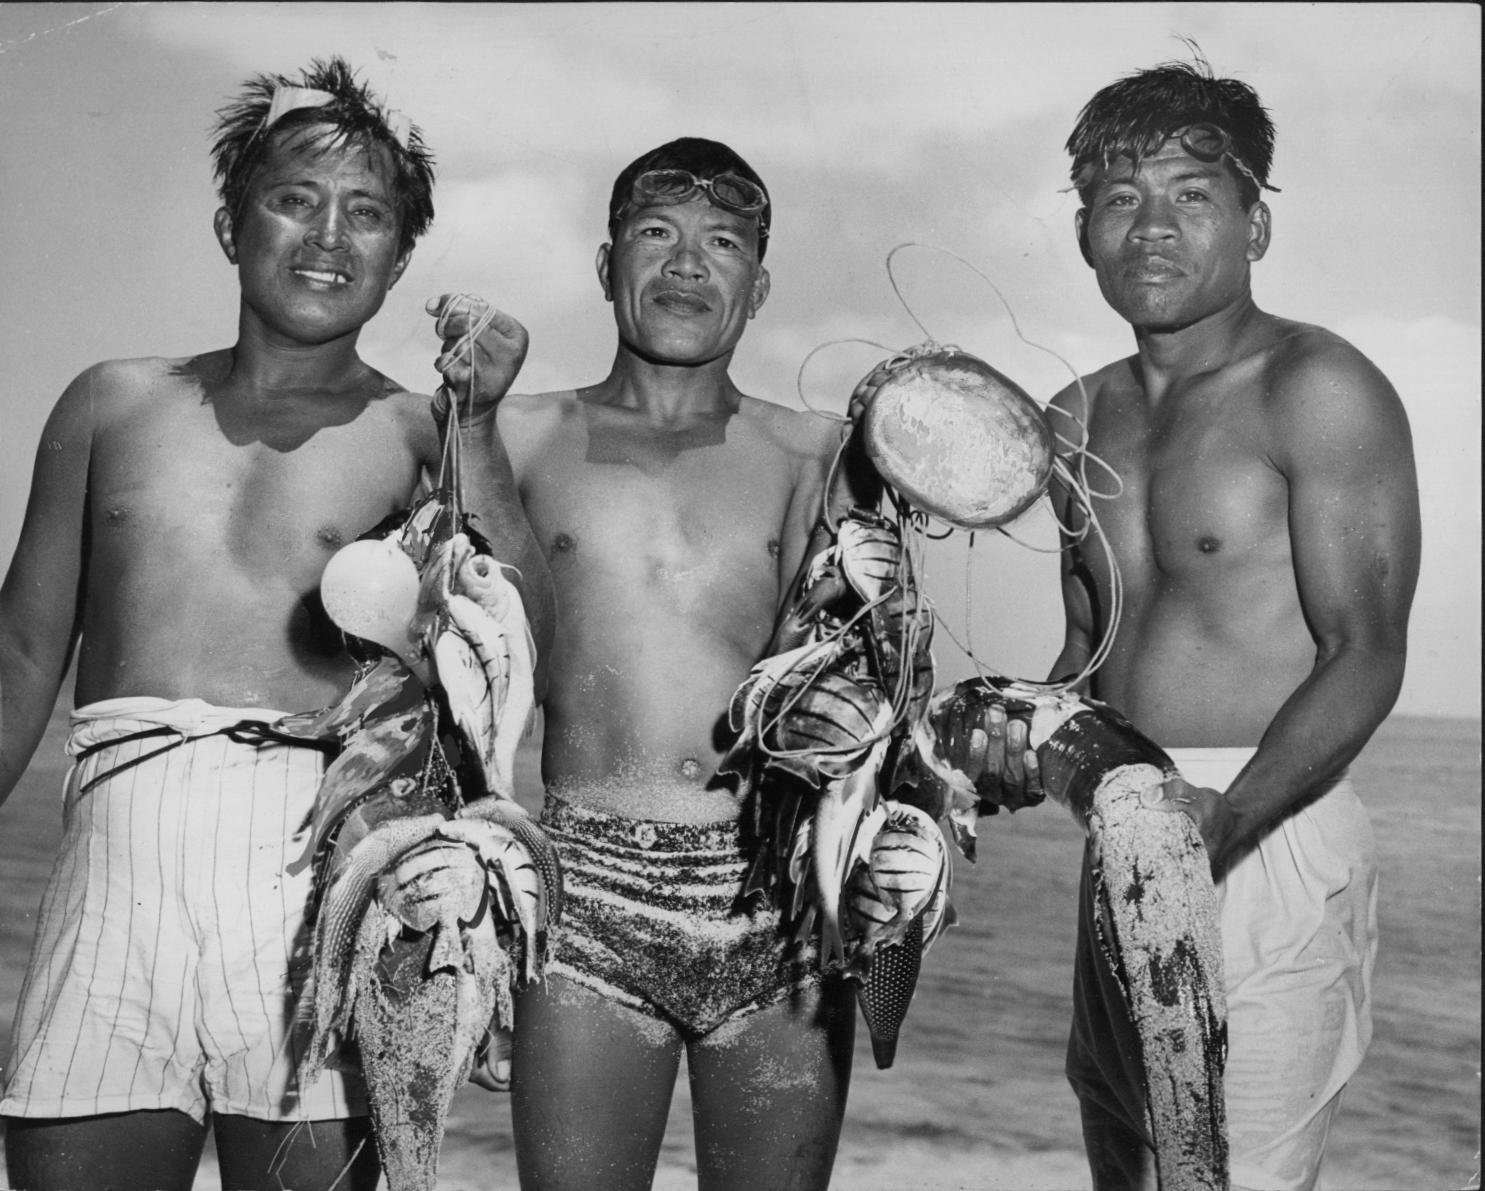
976, 1100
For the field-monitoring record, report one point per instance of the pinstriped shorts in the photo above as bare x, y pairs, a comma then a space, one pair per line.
170, 940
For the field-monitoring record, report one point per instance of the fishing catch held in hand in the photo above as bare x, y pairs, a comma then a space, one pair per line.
436, 892
846, 749
182, 515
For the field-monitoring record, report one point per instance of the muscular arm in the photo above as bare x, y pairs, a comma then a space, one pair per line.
1077, 640
491, 491
40, 602
1342, 443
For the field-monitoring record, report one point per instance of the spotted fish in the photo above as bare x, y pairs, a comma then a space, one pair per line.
1157, 928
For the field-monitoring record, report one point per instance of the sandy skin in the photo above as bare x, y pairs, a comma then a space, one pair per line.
675, 513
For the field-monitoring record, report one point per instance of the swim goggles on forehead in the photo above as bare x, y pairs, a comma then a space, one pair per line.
731, 192
1205, 142
1209, 142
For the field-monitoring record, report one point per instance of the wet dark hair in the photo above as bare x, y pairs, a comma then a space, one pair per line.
353, 119
706, 159
1136, 115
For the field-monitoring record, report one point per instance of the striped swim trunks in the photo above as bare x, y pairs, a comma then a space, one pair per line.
650, 920
171, 941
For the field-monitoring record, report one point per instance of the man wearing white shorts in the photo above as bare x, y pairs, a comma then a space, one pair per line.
181, 514
171, 943
1266, 538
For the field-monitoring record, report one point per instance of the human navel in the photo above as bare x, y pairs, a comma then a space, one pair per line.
690, 768
773, 547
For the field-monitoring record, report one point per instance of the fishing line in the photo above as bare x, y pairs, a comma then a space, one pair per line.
1073, 480
450, 473
814, 351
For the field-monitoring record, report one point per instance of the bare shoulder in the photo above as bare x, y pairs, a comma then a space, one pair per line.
1313, 378
798, 434
1302, 353
529, 411
116, 388
1325, 401
526, 421
1073, 405
122, 378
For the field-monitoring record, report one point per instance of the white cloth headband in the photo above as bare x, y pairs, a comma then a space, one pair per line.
289, 99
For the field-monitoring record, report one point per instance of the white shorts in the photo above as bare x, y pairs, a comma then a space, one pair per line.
1298, 916
160, 977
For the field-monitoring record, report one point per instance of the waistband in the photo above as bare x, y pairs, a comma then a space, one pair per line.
647, 835
170, 723
1216, 768
110, 720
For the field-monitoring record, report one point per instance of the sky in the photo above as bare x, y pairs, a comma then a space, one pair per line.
873, 125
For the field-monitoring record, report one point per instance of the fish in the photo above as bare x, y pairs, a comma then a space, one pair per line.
864, 564
1157, 928
815, 726
827, 728
841, 831
868, 550
419, 1023
422, 935
381, 748
768, 682
906, 876
897, 905
1157, 924
528, 867
435, 892
338, 923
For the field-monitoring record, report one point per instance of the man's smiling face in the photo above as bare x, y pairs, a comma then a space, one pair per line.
316, 241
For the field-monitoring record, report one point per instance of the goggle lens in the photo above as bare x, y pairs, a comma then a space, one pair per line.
666, 183
1206, 142
729, 191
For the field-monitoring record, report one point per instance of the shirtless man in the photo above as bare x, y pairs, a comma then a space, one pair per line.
1267, 534
675, 512
180, 516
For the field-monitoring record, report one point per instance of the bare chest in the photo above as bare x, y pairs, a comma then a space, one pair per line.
1197, 490
177, 491
677, 521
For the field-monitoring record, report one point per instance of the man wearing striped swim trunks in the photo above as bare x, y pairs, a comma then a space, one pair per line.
181, 514
1266, 532
676, 512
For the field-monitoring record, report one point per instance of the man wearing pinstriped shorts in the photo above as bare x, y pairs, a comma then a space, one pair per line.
181, 514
